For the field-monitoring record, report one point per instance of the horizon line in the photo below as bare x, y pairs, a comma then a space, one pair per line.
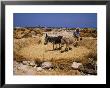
51, 27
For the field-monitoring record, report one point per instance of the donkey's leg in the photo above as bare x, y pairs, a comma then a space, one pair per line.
56, 47
59, 46
53, 46
61, 50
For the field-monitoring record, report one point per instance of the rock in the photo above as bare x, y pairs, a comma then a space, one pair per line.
15, 63
89, 66
35, 66
82, 73
90, 71
81, 68
32, 63
39, 69
50, 69
75, 65
25, 62
22, 67
46, 65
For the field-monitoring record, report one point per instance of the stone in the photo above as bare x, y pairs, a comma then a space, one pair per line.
25, 63
90, 71
22, 67
46, 65
32, 63
39, 69
81, 68
75, 65
35, 66
82, 73
15, 62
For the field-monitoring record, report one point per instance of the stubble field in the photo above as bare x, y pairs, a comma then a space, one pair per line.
32, 57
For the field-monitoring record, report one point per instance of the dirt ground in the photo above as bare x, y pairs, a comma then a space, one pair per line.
33, 49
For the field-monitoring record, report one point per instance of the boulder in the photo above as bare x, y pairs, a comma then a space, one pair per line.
32, 63
22, 67
25, 63
90, 68
46, 65
39, 69
90, 71
75, 65
81, 68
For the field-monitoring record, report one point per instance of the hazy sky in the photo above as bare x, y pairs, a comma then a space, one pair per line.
55, 19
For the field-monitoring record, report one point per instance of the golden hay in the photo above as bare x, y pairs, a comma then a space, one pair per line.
18, 44
26, 33
33, 49
44, 53
29, 45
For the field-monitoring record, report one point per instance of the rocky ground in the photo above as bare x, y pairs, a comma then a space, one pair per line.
47, 68
32, 57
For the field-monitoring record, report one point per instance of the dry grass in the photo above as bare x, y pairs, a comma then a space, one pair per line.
24, 42
41, 52
26, 33
32, 48
44, 53
91, 44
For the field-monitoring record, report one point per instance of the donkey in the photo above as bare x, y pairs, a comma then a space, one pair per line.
67, 41
61, 40
54, 40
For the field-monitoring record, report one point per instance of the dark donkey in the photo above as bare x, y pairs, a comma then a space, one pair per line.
54, 40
